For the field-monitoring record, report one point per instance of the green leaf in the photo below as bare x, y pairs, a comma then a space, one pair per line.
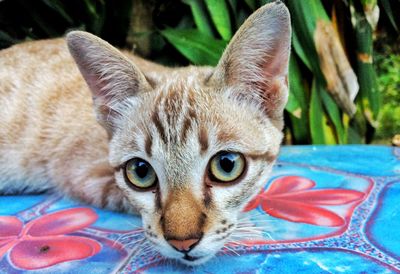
240, 18
32, 10
321, 131
354, 136
263, 2
234, 6
299, 50
297, 103
369, 94
305, 15
59, 8
371, 12
200, 49
97, 13
297, 95
200, 16
388, 9
251, 4
357, 126
299, 130
6, 38
91, 8
334, 115
220, 16
293, 106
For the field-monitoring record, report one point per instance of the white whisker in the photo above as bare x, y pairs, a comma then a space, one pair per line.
231, 250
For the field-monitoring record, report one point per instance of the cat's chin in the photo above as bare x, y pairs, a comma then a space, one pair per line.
186, 259
194, 261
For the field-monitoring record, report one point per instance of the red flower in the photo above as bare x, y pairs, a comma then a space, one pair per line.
292, 198
42, 243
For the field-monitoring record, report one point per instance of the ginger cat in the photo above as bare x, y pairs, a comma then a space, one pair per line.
186, 148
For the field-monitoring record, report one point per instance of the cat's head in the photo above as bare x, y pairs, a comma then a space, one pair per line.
192, 146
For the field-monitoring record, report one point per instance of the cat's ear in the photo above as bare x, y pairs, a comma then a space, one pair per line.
111, 77
256, 60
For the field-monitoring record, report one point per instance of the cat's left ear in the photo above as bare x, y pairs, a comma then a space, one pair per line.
111, 76
255, 63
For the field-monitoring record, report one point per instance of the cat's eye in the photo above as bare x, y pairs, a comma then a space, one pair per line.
140, 174
226, 167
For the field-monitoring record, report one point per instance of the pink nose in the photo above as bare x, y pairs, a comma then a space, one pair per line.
184, 245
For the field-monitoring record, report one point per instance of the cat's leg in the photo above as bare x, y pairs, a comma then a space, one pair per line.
10, 185
20, 174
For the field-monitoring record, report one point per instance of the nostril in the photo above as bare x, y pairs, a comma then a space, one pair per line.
183, 245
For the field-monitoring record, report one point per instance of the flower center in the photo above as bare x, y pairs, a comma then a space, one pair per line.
44, 249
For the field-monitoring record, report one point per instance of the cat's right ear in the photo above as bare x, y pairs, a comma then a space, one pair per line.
111, 77
256, 61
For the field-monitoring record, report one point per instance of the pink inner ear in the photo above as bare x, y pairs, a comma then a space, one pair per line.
275, 65
274, 94
97, 86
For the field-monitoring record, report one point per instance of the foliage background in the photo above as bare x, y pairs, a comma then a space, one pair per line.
177, 32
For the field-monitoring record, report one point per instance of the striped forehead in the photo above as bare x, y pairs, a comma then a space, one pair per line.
188, 119
176, 136
176, 113
188, 115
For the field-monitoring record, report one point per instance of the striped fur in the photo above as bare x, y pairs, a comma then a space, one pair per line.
175, 119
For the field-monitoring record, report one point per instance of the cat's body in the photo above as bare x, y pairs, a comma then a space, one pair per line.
186, 148
49, 135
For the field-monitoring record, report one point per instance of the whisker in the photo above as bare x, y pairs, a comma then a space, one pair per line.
127, 235
138, 244
232, 250
135, 225
137, 241
248, 230
237, 243
269, 236
117, 241
264, 220
247, 235
132, 235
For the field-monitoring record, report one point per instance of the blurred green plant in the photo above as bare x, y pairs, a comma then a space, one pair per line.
115, 21
334, 97
389, 86
22, 20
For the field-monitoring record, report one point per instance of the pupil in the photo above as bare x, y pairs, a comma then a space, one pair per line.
141, 170
227, 164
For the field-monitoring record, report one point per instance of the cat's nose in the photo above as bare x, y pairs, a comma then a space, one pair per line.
183, 245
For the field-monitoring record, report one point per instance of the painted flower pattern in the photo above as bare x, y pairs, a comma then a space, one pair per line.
294, 198
43, 242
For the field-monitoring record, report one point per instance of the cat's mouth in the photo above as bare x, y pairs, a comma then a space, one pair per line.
190, 258
194, 260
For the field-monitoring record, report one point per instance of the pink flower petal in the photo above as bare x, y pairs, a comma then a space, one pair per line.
45, 252
252, 204
5, 245
4, 241
289, 184
302, 213
255, 202
322, 196
61, 222
10, 226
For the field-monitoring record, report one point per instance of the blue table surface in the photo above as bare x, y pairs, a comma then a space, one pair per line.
346, 220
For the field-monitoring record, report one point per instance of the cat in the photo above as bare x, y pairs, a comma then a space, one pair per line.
186, 148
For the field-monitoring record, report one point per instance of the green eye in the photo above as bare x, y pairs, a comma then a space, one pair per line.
140, 174
226, 166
